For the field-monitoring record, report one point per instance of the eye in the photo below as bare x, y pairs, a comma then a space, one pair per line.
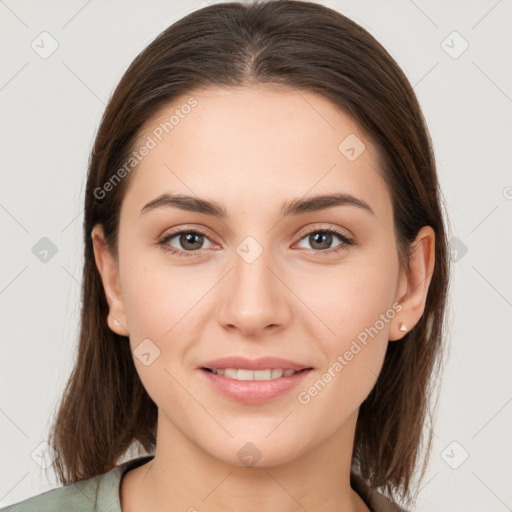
189, 242
321, 240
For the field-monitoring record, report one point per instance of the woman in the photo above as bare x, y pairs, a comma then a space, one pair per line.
265, 275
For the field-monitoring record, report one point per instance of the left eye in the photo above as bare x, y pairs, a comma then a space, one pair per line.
324, 238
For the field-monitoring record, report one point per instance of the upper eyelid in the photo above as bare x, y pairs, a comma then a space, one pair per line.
317, 227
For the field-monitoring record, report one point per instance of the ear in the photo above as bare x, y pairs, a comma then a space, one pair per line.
109, 272
414, 284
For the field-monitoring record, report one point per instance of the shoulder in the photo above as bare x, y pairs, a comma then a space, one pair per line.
374, 500
99, 493
73, 497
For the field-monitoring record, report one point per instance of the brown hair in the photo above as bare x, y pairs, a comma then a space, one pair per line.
288, 43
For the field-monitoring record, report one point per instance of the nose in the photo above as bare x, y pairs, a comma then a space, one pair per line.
253, 300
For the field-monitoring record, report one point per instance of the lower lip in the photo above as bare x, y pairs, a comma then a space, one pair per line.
253, 391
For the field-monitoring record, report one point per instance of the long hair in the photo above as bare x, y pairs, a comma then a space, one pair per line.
105, 409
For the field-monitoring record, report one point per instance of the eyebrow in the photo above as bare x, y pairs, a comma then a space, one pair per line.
294, 207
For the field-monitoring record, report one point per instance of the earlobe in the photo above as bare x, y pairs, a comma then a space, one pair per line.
109, 273
399, 328
116, 326
416, 283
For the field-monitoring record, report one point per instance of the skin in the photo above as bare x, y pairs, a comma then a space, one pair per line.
251, 149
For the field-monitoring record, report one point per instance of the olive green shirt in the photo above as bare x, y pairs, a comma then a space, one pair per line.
102, 494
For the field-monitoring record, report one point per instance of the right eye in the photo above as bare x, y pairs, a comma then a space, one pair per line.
187, 239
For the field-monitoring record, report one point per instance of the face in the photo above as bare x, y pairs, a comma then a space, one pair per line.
318, 286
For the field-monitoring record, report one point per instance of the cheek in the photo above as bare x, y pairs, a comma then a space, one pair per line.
166, 309
160, 302
351, 297
358, 312
158, 298
355, 303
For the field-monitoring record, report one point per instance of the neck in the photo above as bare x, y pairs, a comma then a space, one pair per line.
182, 476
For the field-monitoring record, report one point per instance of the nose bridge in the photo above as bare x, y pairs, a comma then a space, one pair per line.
252, 300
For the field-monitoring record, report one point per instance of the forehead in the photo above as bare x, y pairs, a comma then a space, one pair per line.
247, 144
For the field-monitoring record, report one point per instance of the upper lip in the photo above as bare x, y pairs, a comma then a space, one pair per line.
261, 363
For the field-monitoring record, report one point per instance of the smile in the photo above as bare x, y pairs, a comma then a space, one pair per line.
253, 386
242, 374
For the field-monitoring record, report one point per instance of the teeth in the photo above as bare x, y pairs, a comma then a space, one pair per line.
239, 374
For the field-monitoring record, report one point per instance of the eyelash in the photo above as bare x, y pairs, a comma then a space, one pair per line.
347, 241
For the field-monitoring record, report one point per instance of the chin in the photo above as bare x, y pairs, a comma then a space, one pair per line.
256, 452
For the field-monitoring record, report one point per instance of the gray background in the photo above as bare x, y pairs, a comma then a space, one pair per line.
51, 108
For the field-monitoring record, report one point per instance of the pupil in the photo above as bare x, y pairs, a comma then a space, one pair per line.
188, 239
325, 239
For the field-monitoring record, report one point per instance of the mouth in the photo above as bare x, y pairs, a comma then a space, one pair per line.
253, 387
255, 375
